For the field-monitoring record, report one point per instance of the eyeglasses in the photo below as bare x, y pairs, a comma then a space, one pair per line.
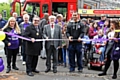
74, 15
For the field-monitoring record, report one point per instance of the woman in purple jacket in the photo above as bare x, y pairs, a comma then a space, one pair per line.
12, 43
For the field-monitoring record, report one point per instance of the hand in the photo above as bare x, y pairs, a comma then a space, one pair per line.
9, 44
70, 38
79, 39
46, 38
33, 40
58, 47
111, 38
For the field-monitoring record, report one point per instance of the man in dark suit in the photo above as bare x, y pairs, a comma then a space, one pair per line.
52, 31
33, 48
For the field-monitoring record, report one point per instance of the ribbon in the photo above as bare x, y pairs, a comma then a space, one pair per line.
37, 40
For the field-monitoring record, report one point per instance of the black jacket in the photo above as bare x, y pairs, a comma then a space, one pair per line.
76, 30
36, 47
6, 40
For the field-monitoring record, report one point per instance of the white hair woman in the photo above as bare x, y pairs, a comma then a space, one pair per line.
12, 43
23, 25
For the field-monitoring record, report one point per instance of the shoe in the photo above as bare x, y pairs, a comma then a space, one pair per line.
23, 63
15, 68
114, 77
54, 71
101, 74
30, 74
36, 71
80, 71
47, 70
8, 70
65, 65
72, 71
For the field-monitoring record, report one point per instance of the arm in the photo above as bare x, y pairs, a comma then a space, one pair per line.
91, 33
6, 41
44, 32
68, 30
82, 30
60, 37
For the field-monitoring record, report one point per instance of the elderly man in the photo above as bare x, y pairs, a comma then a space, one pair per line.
23, 27
33, 48
18, 19
52, 31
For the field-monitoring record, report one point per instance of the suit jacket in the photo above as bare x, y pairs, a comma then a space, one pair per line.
57, 35
36, 47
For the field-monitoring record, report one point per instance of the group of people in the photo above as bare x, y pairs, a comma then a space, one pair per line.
60, 38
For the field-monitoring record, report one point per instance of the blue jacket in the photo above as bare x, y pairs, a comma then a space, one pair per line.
2, 23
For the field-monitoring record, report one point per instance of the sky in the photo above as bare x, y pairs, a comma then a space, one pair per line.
3, 1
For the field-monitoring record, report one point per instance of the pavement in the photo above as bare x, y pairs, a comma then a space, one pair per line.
62, 74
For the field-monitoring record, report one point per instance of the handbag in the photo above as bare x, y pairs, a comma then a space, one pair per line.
115, 55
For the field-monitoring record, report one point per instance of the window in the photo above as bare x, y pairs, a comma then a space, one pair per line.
33, 8
17, 8
45, 8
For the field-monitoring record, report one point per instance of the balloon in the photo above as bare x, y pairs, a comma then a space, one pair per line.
1, 61
2, 35
2, 53
2, 45
1, 68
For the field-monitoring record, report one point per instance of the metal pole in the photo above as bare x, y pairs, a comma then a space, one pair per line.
80, 4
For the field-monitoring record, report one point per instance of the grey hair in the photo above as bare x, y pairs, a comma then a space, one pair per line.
26, 15
36, 17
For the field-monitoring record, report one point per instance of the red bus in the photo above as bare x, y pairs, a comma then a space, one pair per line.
39, 7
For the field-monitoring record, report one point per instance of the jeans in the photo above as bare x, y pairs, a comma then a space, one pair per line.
102, 49
75, 49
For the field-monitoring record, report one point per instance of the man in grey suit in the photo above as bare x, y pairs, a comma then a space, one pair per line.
52, 31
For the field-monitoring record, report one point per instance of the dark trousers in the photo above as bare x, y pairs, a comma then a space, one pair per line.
75, 49
60, 55
51, 52
31, 63
115, 64
23, 50
11, 55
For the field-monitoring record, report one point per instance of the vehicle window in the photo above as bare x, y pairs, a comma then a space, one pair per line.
45, 8
17, 8
33, 8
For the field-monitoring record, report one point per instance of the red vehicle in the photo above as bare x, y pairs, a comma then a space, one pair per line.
39, 7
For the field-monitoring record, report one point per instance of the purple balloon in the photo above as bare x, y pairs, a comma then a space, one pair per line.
1, 68
1, 61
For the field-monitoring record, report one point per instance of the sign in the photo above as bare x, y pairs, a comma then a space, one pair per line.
91, 11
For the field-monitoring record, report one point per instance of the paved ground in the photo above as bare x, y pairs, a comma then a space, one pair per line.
63, 73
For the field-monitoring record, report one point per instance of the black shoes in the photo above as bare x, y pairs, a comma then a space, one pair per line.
47, 70
36, 71
15, 68
80, 71
72, 71
54, 71
102, 74
114, 77
8, 70
30, 74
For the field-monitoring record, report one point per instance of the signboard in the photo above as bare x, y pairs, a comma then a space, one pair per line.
91, 11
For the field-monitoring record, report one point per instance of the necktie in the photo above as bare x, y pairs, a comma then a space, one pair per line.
52, 26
